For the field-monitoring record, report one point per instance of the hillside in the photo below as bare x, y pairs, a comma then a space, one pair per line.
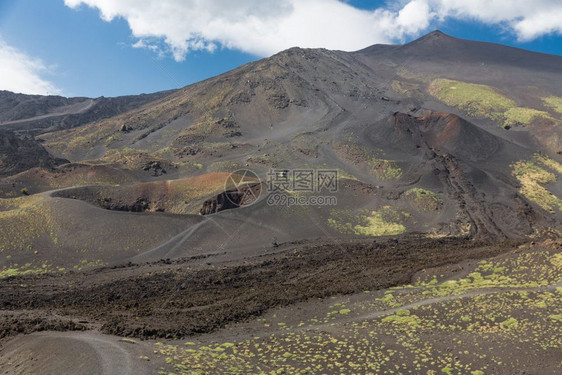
160, 220
37, 113
18, 154
415, 139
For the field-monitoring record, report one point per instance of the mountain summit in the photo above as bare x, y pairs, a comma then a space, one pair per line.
439, 47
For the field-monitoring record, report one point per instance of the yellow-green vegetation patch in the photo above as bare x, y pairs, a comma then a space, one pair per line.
483, 101
532, 177
554, 102
128, 158
556, 261
16, 270
28, 269
201, 103
380, 167
481, 332
385, 169
337, 309
510, 323
522, 116
82, 139
548, 162
475, 99
85, 263
526, 270
19, 202
383, 222
424, 200
27, 219
403, 317
389, 299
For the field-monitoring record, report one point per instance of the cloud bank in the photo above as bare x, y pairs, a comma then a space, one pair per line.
22, 73
264, 27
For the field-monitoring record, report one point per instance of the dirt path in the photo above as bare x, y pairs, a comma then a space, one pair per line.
431, 301
75, 353
73, 110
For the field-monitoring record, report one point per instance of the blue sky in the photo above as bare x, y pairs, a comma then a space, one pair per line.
50, 46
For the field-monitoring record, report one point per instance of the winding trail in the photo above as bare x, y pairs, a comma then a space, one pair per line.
68, 110
113, 357
75, 353
434, 300
170, 247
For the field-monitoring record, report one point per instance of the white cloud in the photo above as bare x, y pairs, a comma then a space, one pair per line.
22, 73
528, 20
260, 27
263, 27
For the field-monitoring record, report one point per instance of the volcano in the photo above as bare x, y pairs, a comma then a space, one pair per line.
441, 152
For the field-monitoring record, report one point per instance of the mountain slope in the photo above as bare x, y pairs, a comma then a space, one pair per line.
422, 141
444, 153
37, 113
496, 85
314, 86
445, 49
18, 154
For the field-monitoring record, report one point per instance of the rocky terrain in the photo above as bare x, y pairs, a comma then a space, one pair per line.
37, 113
125, 219
20, 153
